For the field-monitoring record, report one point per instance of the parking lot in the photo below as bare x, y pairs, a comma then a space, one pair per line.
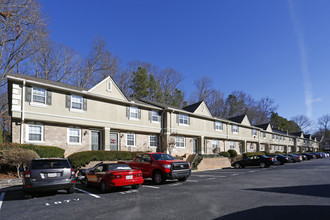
292, 191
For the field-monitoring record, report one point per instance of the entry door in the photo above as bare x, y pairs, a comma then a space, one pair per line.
96, 140
195, 146
114, 141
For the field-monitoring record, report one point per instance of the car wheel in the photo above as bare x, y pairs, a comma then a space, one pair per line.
103, 187
237, 165
70, 190
182, 179
85, 182
262, 165
158, 178
135, 186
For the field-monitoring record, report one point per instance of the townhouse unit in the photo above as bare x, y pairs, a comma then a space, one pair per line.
102, 118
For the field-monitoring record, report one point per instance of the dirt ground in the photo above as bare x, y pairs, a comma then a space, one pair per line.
8, 176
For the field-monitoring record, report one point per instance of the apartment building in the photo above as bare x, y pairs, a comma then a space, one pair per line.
102, 118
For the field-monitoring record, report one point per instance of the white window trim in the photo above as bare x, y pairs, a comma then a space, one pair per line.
216, 127
27, 134
137, 113
236, 130
38, 104
254, 132
158, 121
76, 109
150, 141
134, 140
68, 136
217, 144
183, 119
232, 146
184, 142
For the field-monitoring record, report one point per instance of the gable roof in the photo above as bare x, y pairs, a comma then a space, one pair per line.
263, 126
298, 134
237, 119
115, 92
192, 108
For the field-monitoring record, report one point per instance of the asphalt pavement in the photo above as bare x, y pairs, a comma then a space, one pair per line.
292, 191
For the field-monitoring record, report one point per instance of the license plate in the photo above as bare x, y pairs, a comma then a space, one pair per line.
52, 174
129, 177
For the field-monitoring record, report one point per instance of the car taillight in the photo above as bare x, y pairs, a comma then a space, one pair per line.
72, 172
139, 174
27, 174
115, 176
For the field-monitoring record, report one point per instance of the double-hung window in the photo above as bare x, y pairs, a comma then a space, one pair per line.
235, 129
39, 95
133, 113
155, 116
74, 135
183, 119
153, 141
130, 140
273, 136
179, 142
232, 145
35, 133
76, 102
254, 132
218, 126
264, 134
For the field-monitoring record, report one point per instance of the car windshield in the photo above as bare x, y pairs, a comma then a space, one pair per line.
162, 157
263, 156
114, 167
49, 164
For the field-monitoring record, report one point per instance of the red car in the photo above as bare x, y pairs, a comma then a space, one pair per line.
110, 175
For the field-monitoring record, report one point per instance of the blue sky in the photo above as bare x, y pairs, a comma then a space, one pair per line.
274, 48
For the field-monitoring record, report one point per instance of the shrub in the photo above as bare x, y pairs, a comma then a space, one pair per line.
82, 158
224, 154
42, 151
253, 153
232, 153
17, 157
266, 152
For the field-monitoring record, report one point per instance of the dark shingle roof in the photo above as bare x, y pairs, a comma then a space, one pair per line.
237, 119
192, 108
46, 81
297, 133
262, 126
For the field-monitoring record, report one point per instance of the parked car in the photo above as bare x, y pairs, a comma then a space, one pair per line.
282, 159
254, 160
319, 155
292, 158
46, 174
274, 160
81, 174
309, 156
110, 175
160, 167
296, 158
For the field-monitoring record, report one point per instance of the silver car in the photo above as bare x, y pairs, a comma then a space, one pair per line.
46, 174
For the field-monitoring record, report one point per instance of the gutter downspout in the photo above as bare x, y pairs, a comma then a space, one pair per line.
23, 114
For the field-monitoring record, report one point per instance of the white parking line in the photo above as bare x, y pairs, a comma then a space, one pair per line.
252, 171
154, 187
91, 194
2, 196
194, 181
235, 174
212, 178
176, 184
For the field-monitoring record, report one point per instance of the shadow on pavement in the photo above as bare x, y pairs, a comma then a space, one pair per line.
310, 190
303, 212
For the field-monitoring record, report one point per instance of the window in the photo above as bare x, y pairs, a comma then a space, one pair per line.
153, 141
276, 137
283, 138
215, 144
251, 147
218, 126
183, 119
74, 135
109, 85
298, 140
232, 145
179, 142
155, 116
35, 132
280, 137
133, 113
130, 140
76, 102
235, 129
273, 136
254, 132
264, 134
39, 95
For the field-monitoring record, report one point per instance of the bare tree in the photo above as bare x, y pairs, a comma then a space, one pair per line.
215, 102
21, 28
324, 124
203, 89
169, 80
303, 122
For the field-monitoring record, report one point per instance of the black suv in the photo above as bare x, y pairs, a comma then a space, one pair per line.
46, 174
255, 160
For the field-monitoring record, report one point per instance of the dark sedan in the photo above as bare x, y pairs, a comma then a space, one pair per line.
282, 159
255, 160
309, 156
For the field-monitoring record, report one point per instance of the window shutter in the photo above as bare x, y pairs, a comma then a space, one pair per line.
127, 111
150, 116
232, 128
49, 98
177, 118
215, 125
237, 129
68, 101
139, 113
188, 120
84, 104
28, 91
159, 117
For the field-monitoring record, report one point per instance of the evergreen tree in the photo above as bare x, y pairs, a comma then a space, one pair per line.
140, 84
